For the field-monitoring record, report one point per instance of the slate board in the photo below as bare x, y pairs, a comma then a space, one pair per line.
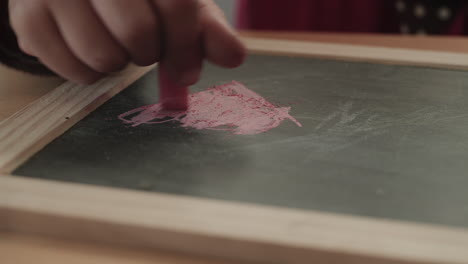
378, 140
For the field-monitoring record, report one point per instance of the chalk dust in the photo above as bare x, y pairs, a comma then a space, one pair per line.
231, 107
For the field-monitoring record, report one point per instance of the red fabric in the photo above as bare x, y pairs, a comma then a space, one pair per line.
317, 15
459, 26
327, 15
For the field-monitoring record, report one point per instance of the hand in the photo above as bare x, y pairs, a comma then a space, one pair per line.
82, 40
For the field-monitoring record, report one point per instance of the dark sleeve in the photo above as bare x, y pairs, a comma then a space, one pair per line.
10, 53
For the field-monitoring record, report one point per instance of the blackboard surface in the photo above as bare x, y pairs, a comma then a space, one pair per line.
377, 140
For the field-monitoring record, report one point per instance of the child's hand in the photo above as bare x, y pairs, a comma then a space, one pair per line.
83, 39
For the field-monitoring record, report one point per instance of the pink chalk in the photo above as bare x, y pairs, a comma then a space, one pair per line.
171, 95
230, 107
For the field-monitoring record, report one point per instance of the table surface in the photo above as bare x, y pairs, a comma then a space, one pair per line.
19, 89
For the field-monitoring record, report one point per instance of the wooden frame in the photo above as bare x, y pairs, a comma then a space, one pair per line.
210, 227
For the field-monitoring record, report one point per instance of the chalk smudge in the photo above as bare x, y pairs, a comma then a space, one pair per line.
230, 107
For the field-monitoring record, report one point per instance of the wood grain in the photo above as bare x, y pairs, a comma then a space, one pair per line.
439, 59
27, 131
220, 229
19, 89
13, 248
457, 44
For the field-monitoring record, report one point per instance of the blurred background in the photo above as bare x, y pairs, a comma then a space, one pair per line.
229, 8
409, 17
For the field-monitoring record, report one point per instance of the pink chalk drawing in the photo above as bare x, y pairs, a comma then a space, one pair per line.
230, 107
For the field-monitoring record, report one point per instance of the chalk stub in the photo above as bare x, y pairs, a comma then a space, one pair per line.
171, 96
